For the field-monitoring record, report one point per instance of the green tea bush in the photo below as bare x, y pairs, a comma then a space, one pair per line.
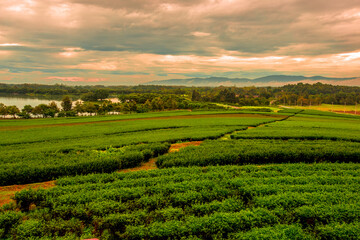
278, 232
53, 165
339, 231
306, 127
240, 152
290, 110
285, 201
9, 220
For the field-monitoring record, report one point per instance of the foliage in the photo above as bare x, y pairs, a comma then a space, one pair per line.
242, 152
73, 148
66, 103
292, 94
307, 127
51, 165
98, 94
272, 201
297, 201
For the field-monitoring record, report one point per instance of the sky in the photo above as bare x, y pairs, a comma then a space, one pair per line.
107, 42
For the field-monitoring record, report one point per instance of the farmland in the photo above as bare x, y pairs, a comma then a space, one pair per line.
295, 201
293, 174
35, 154
334, 108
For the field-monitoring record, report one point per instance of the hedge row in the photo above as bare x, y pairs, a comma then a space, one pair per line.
240, 152
53, 165
298, 201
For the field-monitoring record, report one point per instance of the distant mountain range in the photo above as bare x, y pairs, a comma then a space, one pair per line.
272, 80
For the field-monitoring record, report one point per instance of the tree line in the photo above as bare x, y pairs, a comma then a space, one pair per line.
292, 94
127, 103
157, 98
86, 91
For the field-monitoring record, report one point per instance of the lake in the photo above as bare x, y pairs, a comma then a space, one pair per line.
20, 102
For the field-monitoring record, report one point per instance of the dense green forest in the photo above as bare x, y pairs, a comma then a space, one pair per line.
142, 99
292, 94
60, 89
130, 103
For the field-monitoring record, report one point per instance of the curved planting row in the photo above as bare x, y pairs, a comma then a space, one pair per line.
306, 127
297, 201
240, 152
41, 154
49, 166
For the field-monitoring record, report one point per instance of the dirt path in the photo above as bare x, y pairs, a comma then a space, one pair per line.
6, 192
349, 112
177, 146
151, 164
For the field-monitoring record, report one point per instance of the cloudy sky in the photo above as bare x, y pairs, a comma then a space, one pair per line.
135, 41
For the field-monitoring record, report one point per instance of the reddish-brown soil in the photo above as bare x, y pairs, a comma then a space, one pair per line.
6, 192
177, 146
150, 165
349, 112
231, 115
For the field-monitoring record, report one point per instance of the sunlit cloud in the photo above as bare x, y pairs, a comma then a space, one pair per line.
24, 7
128, 42
201, 34
64, 15
10, 44
77, 79
350, 56
71, 52
102, 65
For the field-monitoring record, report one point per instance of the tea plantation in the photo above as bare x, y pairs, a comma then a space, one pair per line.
294, 174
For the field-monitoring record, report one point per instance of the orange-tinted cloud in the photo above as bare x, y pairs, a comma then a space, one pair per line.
77, 79
138, 41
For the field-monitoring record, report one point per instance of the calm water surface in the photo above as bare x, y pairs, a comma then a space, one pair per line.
20, 102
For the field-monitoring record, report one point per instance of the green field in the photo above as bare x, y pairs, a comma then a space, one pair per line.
293, 174
308, 125
330, 107
32, 153
243, 152
294, 201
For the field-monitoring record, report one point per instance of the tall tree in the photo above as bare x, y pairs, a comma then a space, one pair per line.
89, 107
53, 106
27, 109
157, 104
3, 110
90, 96
79, 107
13, 110
147, 105
195, 96
66, 103
40, 109
52, 109
101, 94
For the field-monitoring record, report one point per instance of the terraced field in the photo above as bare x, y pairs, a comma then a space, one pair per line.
289, 175
50, 149
291, 201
